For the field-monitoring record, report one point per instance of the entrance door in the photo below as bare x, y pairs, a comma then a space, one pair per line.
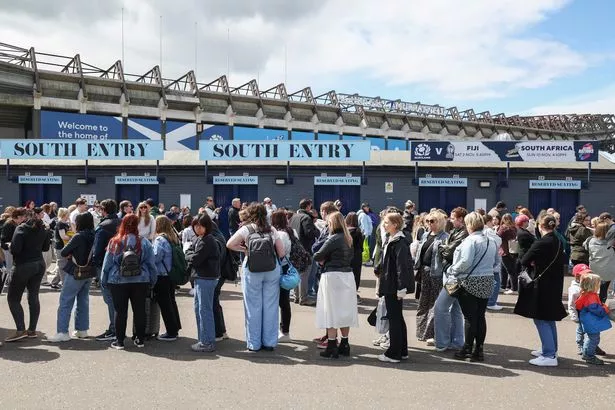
445, 198
40, 193
454, 197
223, 196
349, 195
136, 193
564, 201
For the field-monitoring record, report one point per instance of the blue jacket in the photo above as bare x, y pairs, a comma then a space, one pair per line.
163, 255
594, 319
111, 265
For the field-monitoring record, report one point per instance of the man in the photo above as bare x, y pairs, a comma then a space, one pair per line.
125, 209
82, 207
105, 230
303, 223
610, 235
211, 209
580, 210
175, 216
499, 210
365, 224
448, 318
409, 219
153, 209
233, 216
270, 207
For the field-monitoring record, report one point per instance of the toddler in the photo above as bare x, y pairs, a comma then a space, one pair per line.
593, 317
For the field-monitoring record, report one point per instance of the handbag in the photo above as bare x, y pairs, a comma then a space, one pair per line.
289, 279
526, 281
513, 246
455, 288
382, 321
86, 271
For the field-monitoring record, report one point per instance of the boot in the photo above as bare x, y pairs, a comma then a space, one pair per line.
344, 347
477, 355
331, 352
464, 353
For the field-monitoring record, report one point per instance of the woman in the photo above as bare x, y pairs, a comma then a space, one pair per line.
204, 257
117, 274
76, 292
147, 224
578, 232
396, 280
62, 234
29, 242
429, 273
525, 237
509, 273
336, 305
17, 216
164, 288
531, 227
474, 262
280, 222
418, 229
261, 290
601, 258
352, 222
542, 301
187, 234
29, 205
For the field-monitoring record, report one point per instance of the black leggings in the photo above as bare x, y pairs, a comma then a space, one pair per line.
509, 271
218, 312
398, 332
604, 290
285, 310
135, 293
165, 296
473, 310
25, 276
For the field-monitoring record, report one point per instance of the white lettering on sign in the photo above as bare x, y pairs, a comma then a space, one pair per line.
39, 179
136, 180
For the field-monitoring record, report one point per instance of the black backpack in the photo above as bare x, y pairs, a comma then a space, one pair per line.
299, 257
130, 265
261, 251
229, 263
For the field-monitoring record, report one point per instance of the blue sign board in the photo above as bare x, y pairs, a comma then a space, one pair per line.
39, 179
302, 136
396, 145
323, 136
443, 182
180, 136
259, 134
235, 180
285, 151
216, 132
74, 126
105, 150
144, 129
136, 180
377, 143
337, 180
554, 184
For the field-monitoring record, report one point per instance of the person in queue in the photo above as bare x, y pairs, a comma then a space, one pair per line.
17, 217
352, 222
261, 290
396, 280
125, 209
543, 302
204, 257
147, 222
129, 282
577, 233
429, 273
336, 306
489, 232
302, 222
62, 234
601, 258
474, 264
508, 232
75, 291
280, 222
29, 242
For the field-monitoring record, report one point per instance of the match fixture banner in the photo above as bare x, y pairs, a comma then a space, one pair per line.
496, 151
105, 150
284, 150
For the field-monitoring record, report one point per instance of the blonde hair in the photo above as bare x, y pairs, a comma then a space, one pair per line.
590, 283
474, 221
395, 219
147, 216
337, 225
62, 213
165, 227
601, 230
71, 208
595, 221
419, 222
440, 217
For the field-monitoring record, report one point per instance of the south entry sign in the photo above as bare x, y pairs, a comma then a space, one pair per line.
106, 150
285, 151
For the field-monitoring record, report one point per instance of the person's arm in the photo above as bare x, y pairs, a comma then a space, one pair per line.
70, 246
159, 249
403, 259
532, 254
279, 247
16, 242
152, 229
309, 229
324, 251
106, 268
464, 258
236, 242
148, 261
202, 252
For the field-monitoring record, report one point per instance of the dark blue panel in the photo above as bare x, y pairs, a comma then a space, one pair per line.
144, 129
31, 192
324, 193
128, 192
223, 195
539, 199
429, 197
350, 195
67, 125
149, 191
566, 201
216, 132
454, 197
248, 193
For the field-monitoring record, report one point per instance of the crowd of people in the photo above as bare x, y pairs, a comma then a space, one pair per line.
456, 264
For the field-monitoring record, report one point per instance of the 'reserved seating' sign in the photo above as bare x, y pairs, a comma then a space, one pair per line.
97, 149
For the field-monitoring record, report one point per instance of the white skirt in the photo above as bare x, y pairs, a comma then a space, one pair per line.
336, 305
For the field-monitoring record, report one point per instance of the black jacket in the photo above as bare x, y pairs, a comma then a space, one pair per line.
357, 249
204, 256
78, 247
303, 223
525, 240
106, 229
29, 242
408, 224
545, 302
233, 219
396, 268
447, 250
336, 254
8, 229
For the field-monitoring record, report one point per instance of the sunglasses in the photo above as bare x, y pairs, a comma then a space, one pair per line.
142, 207
432, 221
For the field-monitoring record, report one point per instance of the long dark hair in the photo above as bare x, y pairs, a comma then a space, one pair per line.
84, 222
257, 214
279, 221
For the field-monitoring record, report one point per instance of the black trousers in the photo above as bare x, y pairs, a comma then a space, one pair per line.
604, 290
398, 332
135, 293
473, 310
285, 313
356, 271
218, 312
509, 271
164, 291
25, 276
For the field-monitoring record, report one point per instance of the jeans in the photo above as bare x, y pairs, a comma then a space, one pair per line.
204, 290
493, 299
74, 291
591, 343
580, 335
547, 331
26, 275
165, 296
398, 332
108, 299
261, 293
448, 321
304, 285
218, 311
136, 293
473, 309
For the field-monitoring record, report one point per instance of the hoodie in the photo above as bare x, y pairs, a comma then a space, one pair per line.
29, 242
593, 314
574, 291
106, 229
78, 247
365, 223
601, 258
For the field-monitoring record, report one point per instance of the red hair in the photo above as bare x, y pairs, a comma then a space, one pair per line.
129, 225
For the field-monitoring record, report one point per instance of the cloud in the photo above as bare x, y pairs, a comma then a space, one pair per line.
445, 48
596, 102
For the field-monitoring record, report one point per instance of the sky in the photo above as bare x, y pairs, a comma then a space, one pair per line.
513, 56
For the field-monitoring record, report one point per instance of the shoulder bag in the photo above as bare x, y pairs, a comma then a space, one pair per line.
526, 281
455, 288
86, 271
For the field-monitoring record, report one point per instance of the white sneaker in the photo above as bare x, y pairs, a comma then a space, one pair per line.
495, 307
431, 342
510, 292
284, 338
58, 338
385, 345
191, 292
544, 361
382, 339
80, 334
536, 353
386, 359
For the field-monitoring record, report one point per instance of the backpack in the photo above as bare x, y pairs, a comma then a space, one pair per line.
260, 251
229, 263
299, 257
130, 265
179, 274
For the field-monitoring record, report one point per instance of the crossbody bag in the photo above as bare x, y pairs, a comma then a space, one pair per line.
455, 288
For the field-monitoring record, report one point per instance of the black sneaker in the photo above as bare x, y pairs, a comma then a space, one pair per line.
600, 352
138, 342
165, 337
107, 336
117, 345
593, 360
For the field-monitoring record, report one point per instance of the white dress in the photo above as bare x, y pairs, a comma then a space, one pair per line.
336, 304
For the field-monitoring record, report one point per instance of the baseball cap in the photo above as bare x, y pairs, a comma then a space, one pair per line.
364, 205
38, 210
267, 200
521, 219
580, 269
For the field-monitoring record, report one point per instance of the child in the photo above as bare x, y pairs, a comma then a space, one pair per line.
574, 291
593, 316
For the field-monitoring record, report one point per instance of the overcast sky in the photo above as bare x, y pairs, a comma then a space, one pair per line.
513, 56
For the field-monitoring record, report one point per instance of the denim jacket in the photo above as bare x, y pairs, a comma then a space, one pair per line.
163, 255
111, 265
468, 256
436, 262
